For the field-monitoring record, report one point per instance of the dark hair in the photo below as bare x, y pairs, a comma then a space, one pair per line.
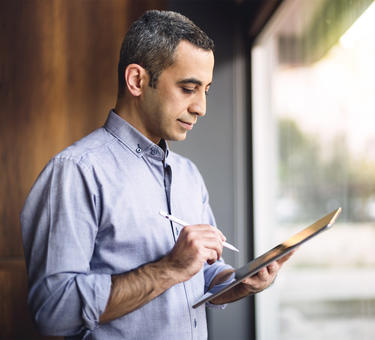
152, 40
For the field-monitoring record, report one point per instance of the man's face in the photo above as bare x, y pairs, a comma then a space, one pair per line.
172, 108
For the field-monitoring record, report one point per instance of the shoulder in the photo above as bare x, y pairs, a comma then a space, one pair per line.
84, 150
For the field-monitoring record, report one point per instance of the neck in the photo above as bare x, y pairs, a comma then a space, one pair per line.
128, 109
125, 108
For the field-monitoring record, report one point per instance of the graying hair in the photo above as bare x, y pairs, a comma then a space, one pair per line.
152, 40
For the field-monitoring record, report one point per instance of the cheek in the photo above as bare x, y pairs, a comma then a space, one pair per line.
178, 104
172, 102
172, 107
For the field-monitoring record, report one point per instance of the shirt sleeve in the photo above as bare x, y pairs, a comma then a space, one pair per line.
59, 226
210, 271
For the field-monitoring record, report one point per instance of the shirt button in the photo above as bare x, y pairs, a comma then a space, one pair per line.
153, 151
138, 150
195, 323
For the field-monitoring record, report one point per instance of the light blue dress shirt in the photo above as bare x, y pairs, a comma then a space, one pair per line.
94, 212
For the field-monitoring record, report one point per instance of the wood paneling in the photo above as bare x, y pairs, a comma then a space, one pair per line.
58, 64
14, 320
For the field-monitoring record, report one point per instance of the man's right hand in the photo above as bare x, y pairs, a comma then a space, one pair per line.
196, 245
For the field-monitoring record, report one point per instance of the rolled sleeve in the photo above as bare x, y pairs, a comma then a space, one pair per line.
210, 274
94, 292
210, 271
73, 307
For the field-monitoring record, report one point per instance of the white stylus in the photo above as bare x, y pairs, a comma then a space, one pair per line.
184, 224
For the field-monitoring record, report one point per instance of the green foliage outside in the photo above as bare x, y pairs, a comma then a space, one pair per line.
320, 177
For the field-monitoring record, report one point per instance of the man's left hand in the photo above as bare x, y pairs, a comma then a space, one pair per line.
265, 277
251, 285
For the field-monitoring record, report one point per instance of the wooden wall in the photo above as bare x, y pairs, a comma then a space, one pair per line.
58, 63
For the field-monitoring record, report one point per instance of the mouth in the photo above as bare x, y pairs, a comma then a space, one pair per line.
185, 125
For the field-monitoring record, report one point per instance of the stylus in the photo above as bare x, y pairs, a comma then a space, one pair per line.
184, 224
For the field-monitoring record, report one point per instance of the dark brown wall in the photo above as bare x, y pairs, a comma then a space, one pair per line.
58, 62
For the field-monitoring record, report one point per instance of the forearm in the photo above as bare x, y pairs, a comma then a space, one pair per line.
133, 289
195, 246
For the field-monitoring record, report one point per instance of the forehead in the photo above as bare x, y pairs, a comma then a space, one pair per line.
191, 62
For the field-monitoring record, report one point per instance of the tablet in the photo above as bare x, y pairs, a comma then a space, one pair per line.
275, 253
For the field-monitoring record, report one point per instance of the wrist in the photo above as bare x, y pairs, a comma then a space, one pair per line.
173, 271
169, 274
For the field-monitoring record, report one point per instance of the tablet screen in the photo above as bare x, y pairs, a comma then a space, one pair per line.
275, 253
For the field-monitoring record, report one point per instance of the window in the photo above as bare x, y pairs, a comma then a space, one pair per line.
314, 150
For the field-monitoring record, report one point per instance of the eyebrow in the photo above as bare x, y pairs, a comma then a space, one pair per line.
191, 81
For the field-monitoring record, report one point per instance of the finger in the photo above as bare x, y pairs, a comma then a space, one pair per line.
211, 237
211, 256
210, 247
273, 268
210, 228
221, 235
217, 234
214, 245
263, 274
199, 232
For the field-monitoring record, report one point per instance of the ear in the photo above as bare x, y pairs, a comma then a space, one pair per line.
135, 79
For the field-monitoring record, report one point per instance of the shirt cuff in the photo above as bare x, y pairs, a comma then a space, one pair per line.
217, 288
94, 291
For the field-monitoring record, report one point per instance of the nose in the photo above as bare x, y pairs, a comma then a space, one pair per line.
198, 104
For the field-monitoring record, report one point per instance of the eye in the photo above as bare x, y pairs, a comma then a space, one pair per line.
187, 90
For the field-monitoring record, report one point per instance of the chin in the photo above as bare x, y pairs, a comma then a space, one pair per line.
176, 137
182, 137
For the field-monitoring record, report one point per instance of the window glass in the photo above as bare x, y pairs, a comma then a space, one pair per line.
314, 150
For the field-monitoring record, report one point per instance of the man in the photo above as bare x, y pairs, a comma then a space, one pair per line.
102, 262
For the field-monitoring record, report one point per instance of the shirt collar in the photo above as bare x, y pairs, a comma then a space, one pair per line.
133, 139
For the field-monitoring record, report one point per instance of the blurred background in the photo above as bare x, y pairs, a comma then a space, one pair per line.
288, 137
